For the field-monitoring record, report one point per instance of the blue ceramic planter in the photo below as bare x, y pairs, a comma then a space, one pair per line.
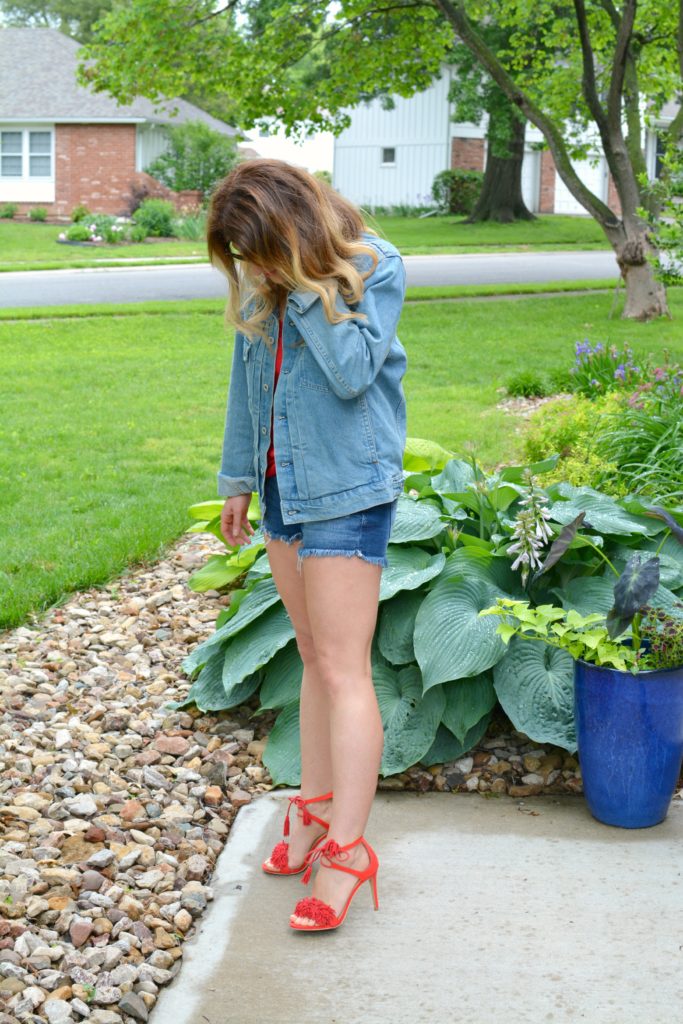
630, 738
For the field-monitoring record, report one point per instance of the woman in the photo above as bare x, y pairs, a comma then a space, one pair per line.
316, 423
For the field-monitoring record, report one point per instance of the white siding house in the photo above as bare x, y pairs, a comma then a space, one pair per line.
390, 157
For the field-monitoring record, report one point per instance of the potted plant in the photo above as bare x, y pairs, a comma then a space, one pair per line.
628, 686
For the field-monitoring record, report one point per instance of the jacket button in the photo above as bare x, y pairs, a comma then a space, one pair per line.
265, 387
292, 511
263, 430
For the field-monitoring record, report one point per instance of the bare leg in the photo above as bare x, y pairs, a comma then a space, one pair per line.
316, 764
342, 596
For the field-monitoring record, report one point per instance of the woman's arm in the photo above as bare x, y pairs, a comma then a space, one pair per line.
236, 474
351, 353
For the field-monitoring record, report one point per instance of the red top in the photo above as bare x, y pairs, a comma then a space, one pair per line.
270, 471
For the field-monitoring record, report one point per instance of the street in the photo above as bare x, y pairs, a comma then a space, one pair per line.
188, 281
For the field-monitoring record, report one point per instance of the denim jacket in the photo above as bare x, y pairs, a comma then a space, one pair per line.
339, 413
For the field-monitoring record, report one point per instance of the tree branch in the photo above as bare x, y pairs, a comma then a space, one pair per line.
590, 90
454, 11
621, 56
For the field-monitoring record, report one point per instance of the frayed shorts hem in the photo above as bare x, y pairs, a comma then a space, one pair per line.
286, 537
327, 552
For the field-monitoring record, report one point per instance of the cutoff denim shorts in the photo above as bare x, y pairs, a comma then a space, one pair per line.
365, 533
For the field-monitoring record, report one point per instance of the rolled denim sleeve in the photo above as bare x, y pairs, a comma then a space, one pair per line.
351, 353
236, 474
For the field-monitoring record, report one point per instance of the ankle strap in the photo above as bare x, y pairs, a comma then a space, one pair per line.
300, 804
329, 849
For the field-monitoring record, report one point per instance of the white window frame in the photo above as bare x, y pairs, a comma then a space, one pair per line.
26, 187
387, 163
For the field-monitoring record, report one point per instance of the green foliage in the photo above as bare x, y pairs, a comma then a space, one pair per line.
528, 384
191, 227
583, 636
38, 214
663, 636
599, 369
325, 176
456, 191
8, 210
197, 158
78, 233
75, 18
80, 213
438, 665
664, 212
157, 217
643, 438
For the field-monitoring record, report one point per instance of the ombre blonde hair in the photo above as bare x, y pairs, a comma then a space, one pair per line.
281, 218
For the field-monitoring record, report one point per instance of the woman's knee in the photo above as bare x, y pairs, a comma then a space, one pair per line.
306, 646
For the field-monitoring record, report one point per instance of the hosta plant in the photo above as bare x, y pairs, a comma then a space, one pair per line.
439, 667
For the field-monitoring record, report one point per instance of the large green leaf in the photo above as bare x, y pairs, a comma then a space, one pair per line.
420, 454
454, 478
208, 692
447, 747
254, 647
410, 719
451, 640
535, 686
260, 597
282, 753
602, 512
408, 569
467, 701
589, 594
415, 520
475, 562
282, 678
220, 570
396, 625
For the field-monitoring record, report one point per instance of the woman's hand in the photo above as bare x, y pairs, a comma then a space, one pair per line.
235, 525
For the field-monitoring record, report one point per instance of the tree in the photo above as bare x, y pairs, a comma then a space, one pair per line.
197, 157
75, 18
573, 69
474, 93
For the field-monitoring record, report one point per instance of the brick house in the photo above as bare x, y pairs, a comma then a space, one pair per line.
62, 145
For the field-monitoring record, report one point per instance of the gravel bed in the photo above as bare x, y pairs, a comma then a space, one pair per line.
113, 809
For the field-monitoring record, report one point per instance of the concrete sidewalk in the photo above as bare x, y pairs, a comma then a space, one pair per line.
492, 909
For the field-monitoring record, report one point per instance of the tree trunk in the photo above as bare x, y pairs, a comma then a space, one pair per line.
500, 198
645, 295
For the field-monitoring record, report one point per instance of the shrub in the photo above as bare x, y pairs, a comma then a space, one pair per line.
78, 233
528, 384
157, 217
38, 214
79, 213
457, 191
192, 227
197, 158
8, 210
569, 428
138, 233
643, 438
325, 176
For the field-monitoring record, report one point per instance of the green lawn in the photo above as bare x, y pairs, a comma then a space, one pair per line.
413, 235
26, 246
35, 247
112, 422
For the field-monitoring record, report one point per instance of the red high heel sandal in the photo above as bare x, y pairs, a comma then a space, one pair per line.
279, 858
317, 910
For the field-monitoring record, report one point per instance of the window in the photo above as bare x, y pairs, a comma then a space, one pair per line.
11, 149
389, 156
26, 154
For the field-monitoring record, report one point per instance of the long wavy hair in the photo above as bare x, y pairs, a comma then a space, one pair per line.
280, 218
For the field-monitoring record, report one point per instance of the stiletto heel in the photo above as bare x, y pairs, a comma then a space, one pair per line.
373, 883
279, 858
320, 913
